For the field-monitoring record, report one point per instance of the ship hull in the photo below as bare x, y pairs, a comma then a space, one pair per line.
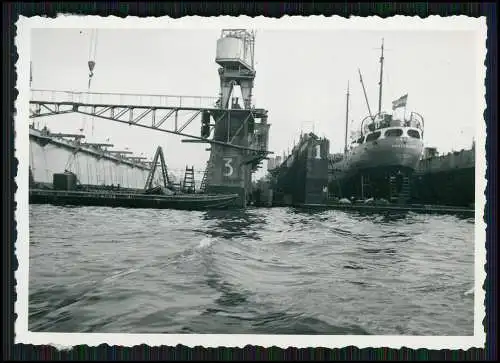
374, 163
385, 153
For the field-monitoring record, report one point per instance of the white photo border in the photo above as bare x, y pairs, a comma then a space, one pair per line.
399, 22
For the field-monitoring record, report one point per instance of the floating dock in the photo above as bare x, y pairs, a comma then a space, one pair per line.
302, 176
445, 179
440, 184
92, 163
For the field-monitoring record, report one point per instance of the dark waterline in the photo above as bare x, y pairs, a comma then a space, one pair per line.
267, 271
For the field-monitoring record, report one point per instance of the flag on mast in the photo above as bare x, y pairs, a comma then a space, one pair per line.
400, 102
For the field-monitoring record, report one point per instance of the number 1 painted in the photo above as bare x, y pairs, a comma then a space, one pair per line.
318, 151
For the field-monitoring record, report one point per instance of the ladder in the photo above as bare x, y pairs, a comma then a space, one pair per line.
188, 186
177, 187
405, 192
203, 185
365, 186
393, 191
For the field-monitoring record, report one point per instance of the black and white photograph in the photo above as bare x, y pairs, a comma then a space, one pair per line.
224, 181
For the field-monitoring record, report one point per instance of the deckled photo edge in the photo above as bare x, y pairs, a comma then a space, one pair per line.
67, 341
21, 142
481, 164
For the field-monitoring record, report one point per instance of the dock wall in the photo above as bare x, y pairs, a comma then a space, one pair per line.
447, 179
464, 159
303, 175
92, 167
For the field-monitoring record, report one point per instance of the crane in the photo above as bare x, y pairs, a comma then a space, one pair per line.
92, 54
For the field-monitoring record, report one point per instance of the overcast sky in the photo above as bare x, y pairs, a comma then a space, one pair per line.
301, 79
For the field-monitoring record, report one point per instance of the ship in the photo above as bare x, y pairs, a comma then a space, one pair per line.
381, 157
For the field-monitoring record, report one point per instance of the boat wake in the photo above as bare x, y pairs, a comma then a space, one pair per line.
205, 242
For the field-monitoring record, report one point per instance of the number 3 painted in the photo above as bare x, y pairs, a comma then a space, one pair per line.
228, 166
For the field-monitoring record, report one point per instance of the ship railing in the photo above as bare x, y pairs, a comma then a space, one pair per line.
370, 124
123, 99
416, 120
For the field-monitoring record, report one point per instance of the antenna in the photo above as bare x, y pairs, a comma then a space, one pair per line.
381, 72
364, 91
346, 117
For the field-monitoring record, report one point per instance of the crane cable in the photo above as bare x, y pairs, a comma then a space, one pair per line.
91, 66
91, 63
92, 54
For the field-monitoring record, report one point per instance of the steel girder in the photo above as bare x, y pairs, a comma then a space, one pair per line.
138, 115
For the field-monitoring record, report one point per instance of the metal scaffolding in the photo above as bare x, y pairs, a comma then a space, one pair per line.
170, 114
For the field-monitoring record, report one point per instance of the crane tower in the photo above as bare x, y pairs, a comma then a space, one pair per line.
235, 55
229, 170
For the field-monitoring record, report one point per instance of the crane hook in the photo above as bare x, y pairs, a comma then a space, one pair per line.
91, 69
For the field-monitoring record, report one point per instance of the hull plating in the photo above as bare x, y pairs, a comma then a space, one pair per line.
387, 153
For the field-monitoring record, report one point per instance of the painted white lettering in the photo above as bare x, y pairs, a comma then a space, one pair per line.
228, 166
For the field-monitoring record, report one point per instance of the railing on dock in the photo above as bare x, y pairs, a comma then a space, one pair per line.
120, 99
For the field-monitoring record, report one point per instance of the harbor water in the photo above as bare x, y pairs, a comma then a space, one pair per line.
261, 271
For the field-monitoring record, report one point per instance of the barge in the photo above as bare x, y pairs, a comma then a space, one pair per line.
131, 200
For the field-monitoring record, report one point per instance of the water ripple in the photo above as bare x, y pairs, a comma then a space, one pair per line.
269, 271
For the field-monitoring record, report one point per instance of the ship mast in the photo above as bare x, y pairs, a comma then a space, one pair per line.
364, 91
380, 82
346, 117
